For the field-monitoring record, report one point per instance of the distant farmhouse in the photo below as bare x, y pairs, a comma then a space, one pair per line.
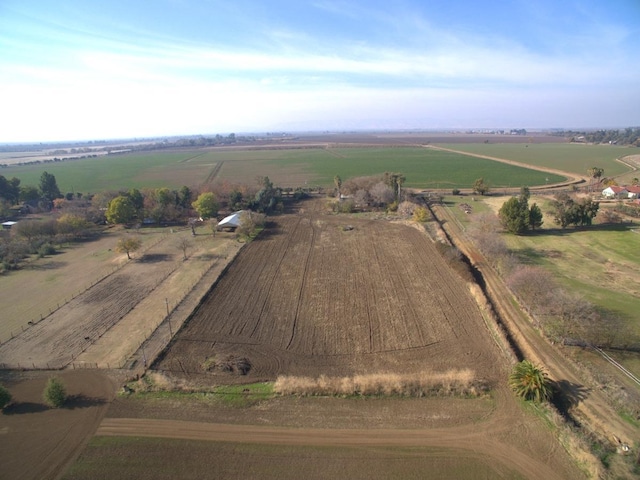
614, 191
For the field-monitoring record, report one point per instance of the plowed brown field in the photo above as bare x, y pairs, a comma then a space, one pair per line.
310, 297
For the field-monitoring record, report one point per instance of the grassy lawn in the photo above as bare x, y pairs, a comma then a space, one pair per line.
574, 158
601, 263
237, 396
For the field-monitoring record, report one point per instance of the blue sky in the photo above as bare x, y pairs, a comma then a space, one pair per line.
85, 69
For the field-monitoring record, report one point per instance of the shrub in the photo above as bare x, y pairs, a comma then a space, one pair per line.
455, 191
54, 393
46, 249
421, 214
418, 384
344, 206
5, 397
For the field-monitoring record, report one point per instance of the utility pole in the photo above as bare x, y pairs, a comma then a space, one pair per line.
168, 319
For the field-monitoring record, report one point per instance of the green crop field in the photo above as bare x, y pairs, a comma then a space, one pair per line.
423, 168
574, 158
114, 172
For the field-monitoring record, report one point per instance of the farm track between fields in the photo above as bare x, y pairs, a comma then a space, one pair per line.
467, 443
214, 173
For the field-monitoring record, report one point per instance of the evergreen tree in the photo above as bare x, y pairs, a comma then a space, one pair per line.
49, 187
535, 217
514, 216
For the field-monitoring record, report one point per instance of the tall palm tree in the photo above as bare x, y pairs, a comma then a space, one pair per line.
530, 382
596, 174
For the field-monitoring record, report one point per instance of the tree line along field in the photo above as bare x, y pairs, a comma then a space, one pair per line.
291, 167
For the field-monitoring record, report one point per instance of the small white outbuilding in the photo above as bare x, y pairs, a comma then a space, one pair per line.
232, 221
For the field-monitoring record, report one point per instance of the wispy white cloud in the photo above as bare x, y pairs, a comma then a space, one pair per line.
408, 67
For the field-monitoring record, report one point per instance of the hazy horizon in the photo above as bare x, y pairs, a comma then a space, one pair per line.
88, 70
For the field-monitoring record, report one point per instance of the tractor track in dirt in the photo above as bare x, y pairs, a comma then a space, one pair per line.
466, 442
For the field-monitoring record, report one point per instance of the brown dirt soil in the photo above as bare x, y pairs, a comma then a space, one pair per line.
43, 284
308, 298
394, 305
489, 432
39, 442
87, 328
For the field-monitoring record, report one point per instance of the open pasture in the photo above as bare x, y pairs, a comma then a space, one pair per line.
599, 262
287, 167
309, 298
569, 157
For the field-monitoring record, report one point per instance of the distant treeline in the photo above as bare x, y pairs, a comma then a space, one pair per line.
92, 145
626, 136
120, 148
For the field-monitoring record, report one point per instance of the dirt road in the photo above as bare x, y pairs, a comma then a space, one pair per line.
465, 441
587, 405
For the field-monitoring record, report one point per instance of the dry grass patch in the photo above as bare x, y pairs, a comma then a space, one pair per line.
420, 384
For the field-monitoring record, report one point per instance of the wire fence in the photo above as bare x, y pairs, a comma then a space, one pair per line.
154, 341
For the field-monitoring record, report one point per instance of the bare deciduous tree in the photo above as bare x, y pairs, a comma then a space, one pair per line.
184, 244
382, 194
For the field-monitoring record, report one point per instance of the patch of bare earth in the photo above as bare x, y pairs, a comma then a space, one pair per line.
132, 301
310, 298
39, 442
